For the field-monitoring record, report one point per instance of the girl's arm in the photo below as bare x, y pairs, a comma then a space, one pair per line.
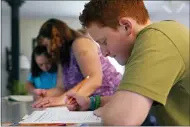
30, 87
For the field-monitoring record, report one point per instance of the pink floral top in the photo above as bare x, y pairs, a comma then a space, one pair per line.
111, 78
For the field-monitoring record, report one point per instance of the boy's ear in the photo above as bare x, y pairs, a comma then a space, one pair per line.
126, 24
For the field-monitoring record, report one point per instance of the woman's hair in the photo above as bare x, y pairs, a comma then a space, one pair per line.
61, 37
40, 50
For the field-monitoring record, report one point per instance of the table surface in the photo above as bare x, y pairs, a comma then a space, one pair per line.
14, 111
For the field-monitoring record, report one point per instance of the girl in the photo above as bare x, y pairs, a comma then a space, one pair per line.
43, 72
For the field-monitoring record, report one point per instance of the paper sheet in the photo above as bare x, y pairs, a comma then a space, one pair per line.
23, 98
58, 109
61, 115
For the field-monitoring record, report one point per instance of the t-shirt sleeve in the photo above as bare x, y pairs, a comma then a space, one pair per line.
154, 67
30, 78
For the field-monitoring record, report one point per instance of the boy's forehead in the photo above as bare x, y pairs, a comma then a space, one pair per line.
96, 32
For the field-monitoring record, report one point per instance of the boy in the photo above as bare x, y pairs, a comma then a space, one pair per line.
156, 56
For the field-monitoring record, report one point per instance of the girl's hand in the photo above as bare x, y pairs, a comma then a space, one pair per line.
39, 93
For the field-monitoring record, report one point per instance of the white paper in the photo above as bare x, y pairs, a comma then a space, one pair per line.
58, 109
23, 98
61, 115
26, 116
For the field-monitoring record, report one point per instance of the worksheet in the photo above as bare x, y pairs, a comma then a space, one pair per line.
61, 115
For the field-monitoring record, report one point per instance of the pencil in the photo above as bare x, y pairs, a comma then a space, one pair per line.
78, 88
42, 124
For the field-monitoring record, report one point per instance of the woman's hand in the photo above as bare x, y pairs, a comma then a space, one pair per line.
49, 102
80, 102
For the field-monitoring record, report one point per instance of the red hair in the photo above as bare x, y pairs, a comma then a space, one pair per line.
108, 12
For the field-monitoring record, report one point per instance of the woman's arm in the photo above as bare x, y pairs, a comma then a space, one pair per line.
58, 91
86, 54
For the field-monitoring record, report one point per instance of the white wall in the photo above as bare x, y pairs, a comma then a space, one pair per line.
29, 29
5, 42
181, 17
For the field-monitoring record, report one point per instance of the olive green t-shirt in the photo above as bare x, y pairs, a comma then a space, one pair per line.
158, 68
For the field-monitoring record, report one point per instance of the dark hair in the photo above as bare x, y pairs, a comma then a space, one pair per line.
40, 50
59, 33
108, 12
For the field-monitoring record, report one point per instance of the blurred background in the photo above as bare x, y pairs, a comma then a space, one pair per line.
21, 21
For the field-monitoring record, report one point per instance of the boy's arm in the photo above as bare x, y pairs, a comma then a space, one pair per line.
125, 108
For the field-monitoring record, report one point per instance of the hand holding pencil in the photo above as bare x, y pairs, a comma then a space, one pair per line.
77, 88
80, 103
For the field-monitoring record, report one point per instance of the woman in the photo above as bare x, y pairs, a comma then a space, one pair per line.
79, 57
43, 73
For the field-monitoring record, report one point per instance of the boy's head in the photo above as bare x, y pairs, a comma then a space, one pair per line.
114, 24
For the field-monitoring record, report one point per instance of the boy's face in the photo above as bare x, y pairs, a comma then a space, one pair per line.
113, 43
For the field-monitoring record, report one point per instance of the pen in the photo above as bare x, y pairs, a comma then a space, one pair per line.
14, 124
78, 88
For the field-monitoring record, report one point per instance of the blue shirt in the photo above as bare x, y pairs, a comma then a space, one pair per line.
46, 80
